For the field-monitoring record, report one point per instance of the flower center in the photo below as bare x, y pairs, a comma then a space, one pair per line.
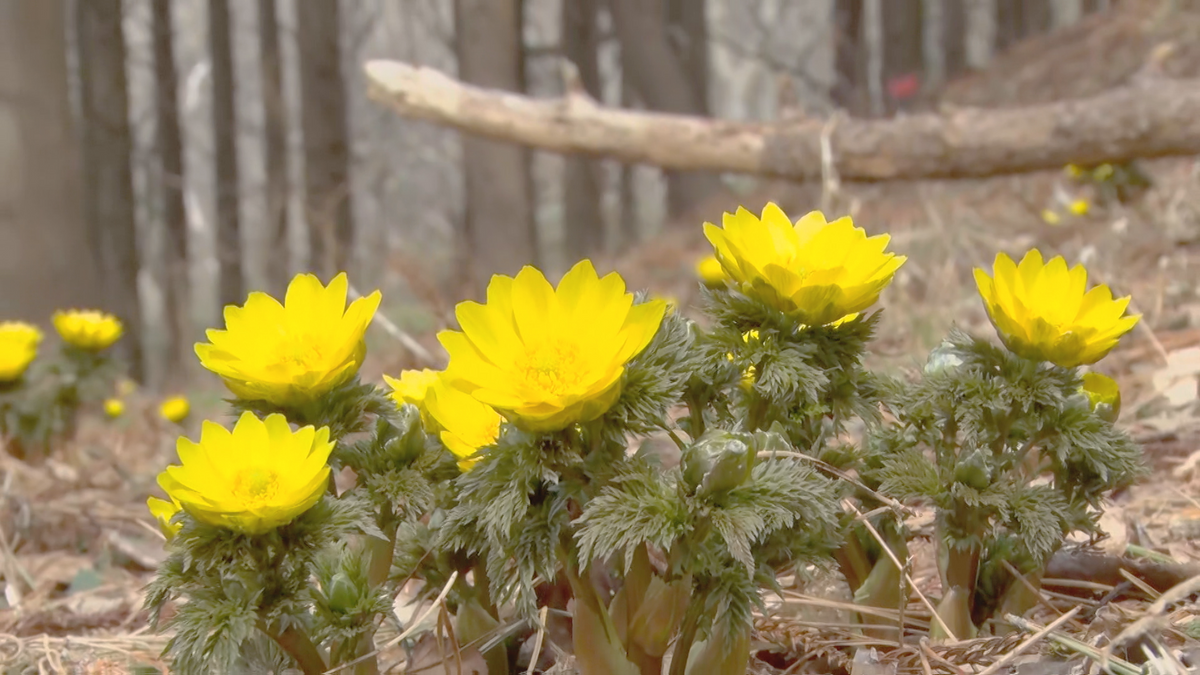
553, 367
255, 486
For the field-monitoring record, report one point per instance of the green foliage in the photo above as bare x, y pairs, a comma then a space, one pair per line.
1008, 451
40, 409
234, 583
346, 409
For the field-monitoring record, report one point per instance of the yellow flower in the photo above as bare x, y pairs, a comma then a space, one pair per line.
1102, 172
1080, 207
258, 477
749, 375
163, 511
466, 424
292, 353
710, 272
1044, 312
815, 271
1073, 170
1050, 217
18, 349
89, 330
1101, 389
175, 409
547, 358
114, 407
412, 387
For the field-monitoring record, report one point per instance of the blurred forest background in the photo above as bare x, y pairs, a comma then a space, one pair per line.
161, 158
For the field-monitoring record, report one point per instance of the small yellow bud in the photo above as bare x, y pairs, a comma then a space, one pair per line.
1073, 170
1080, 207
1102, 172
711, 272
1050, 217
114, 407
175, 409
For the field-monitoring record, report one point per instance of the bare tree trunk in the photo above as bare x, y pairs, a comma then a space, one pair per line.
873, 46
230, 286
1035, 17
687, 33
107, 156
629, 225
583, 221
849, 56
954, 36
661, 81
170, 162
903, 57
500, 233
46, 262
275, 123
1065, 12
981, 31
933, 43
326, 137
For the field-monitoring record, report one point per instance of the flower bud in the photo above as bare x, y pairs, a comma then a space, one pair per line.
342, 593
1103, 395
717, 462
942, 360
973, 470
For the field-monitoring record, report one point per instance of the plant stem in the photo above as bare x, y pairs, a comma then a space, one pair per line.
382, 550
687, 637
299, 646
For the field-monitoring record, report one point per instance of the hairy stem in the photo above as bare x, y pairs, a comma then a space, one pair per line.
299, 646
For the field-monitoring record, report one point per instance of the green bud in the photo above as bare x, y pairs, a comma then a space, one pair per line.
342, 593
1103, 395
973, 470
942, 359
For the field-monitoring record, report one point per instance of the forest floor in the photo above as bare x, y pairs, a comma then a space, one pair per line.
77, 545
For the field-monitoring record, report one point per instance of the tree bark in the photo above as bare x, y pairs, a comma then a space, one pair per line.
849, 56
662, 83
583, 222
107, 157
326, 137
275, 122
499, 231
903, 57
687, 34
954, 36
230, 285
1154, 119
46, 262
170, 165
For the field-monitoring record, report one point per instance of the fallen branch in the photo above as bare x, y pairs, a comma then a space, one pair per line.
1154, 118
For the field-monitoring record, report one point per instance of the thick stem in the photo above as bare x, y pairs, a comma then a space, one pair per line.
853, 561
382, 550
695, 416
299, 646
687, 637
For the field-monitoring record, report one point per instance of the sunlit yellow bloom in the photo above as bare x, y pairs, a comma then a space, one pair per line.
815, 271
466, 423
1044, 312
1102, 390
749, 375
1080, 207
1073, 170
18, 348
89, 330
163, 511
547, 358
710, 272
412, 387
292, 353
258, 477
175, 409
1051, 217
114, 407
1102, 172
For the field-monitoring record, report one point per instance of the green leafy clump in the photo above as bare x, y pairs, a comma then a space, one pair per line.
1012, 457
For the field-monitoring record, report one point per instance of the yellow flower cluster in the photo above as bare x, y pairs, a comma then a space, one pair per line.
292, 353
1045, 312
89, 330
544, 357
253, 479
18, 348
815, 271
